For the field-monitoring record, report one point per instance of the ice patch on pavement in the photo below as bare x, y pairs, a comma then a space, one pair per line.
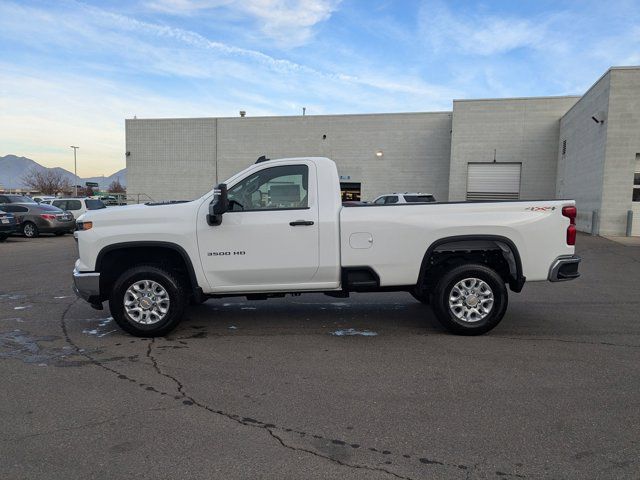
98, 331
64, 296
348, 332
233, 327
22, 307
21, 345
12, 296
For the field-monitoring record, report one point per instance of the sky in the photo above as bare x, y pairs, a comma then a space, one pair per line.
72, 71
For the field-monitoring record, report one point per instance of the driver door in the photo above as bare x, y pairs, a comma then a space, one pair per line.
268, 240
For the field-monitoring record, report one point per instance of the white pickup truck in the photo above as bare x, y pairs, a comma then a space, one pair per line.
278, 227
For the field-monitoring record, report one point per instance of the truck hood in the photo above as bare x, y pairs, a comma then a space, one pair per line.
140, 212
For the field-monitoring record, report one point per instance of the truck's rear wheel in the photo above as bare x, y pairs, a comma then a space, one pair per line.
147, 301
470, 299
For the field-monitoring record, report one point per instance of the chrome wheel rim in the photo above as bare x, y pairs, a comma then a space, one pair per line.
146, 302
471, 300
29, 231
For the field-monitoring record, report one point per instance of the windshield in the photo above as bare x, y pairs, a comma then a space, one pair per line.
95, 204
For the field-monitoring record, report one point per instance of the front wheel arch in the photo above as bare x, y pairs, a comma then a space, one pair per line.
173, 285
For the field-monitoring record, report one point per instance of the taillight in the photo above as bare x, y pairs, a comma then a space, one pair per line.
570, 213
48, 216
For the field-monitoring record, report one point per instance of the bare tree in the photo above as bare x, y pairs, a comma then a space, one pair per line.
47, 181
85, 192
116, 187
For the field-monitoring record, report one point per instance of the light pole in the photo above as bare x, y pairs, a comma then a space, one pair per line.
75, 170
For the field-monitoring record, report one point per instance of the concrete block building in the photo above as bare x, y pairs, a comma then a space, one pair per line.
583, 147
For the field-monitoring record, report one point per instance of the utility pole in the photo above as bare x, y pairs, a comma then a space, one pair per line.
75, 170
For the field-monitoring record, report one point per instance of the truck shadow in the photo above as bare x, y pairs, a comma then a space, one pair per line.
309, 314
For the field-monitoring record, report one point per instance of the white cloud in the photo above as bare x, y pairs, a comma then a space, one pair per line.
480, 34
124, 66
288, 22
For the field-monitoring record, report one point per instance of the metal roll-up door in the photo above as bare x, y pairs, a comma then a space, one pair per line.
493, 181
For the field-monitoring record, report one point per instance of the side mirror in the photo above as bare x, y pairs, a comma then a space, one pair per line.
219, 207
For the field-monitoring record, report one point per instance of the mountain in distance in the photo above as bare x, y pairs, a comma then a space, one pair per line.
13, 168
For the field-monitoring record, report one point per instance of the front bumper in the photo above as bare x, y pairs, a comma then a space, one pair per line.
86, 285
564, 268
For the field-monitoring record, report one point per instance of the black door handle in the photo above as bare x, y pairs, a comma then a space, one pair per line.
299, 223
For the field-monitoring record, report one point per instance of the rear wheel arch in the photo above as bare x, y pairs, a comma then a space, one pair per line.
448, 251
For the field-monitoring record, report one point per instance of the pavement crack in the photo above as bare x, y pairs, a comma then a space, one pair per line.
245, 421
156, 367
334, 460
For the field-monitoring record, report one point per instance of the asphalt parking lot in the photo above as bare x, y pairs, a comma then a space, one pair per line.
265, 390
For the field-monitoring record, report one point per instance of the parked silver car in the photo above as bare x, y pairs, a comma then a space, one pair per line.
35, 218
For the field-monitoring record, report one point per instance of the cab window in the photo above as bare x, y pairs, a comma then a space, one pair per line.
379, 201
73, 205
391, 199
275, 188
61, 204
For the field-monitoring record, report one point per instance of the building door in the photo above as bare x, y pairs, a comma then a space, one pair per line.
635, 205
350, 192
493, 181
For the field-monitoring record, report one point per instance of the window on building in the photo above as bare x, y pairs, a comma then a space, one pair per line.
272, 188
636, 180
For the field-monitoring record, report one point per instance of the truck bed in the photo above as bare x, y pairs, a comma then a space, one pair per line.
389, 238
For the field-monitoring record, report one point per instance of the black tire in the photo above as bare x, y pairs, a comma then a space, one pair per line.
30, 230
3, 237
171, 283
445, 287
420, 295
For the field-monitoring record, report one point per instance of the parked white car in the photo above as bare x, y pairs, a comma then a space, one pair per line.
404, 198
43, 198
77, 206
279, 227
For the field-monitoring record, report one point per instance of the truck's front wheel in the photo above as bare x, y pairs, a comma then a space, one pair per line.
470, 299
147, 301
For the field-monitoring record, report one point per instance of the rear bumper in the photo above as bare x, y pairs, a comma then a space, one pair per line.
55, 226
564, 268
86, 285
